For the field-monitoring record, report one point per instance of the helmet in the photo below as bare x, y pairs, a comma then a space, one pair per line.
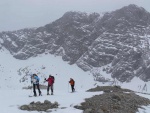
34, 75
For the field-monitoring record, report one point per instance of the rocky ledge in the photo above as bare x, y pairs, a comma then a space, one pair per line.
38, 106
109, 89
113, 100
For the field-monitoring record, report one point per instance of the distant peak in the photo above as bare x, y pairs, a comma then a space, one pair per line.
132, 10
133, 7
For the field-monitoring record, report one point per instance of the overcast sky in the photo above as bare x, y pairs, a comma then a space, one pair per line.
18, 14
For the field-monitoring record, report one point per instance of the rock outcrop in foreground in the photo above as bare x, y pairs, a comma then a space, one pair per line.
38, 106
113, 100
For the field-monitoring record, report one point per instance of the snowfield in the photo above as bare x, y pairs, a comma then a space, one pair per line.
12, 99
13, 96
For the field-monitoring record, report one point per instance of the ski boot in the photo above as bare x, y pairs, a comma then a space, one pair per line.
40, 94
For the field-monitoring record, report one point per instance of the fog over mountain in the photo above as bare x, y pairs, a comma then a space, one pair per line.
117, 41
20, 14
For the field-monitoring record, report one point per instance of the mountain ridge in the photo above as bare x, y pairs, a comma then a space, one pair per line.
119, 38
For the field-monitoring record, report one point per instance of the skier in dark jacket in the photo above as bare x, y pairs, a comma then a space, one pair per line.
35, 81
50, 81
72, 83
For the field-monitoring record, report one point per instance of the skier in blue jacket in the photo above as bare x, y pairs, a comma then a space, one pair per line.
35, 81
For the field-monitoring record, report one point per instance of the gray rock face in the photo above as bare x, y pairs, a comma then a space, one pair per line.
119, 38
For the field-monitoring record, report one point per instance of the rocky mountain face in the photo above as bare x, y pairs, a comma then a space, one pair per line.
119, 39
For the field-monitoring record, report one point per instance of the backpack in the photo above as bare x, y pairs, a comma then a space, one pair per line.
53, 78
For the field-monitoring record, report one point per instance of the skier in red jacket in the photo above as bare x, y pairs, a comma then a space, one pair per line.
50, 81
72, 83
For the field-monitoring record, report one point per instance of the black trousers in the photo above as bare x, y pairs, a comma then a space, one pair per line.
34, 89
72, 88
50, 86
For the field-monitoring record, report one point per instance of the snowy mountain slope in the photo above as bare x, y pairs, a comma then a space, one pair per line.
8, 70
13, 96
13, 70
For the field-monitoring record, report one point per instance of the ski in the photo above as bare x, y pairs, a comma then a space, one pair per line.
42, 95
35, 96
73, 92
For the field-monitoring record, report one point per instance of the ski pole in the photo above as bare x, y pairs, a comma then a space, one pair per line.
74, 88
53, 88
68, 87
31, 90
